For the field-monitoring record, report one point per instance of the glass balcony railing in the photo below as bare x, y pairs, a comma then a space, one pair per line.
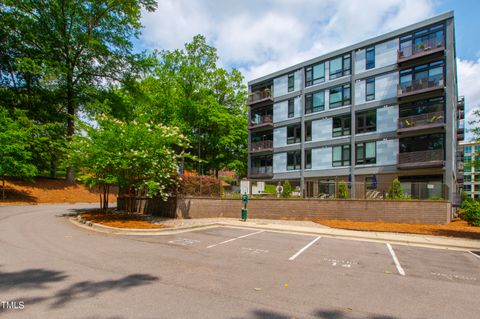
419, 86
261, 171
429, 45
261, 146
259, 96
421, 120
428, 156
261, 120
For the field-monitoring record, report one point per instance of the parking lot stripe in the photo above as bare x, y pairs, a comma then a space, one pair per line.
476, 255
227, 241
395, 260
304, 248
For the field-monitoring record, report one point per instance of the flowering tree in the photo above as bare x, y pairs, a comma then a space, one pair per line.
138, 155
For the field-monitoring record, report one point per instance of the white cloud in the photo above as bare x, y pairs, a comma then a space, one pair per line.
468, 73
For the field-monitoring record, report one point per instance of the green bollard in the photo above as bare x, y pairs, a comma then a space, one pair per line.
244, 214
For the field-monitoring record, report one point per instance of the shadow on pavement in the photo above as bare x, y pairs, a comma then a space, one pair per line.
323, 314
29, 279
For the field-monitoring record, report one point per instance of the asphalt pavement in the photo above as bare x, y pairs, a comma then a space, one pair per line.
51, 268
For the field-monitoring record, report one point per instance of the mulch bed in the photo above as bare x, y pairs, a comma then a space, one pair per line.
121, 220
457, 228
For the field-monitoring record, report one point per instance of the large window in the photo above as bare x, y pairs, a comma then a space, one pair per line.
293, 160
308, 159
426, 39
341, 126
370, 58
294, 134
315, 74
340, 96
308, 131
341, 155
366, 121
291, 82
433, 105
315, 102
366, 153
291, 108
340, 66
467, 149
422, 143
422, 76
262, 164
370, 89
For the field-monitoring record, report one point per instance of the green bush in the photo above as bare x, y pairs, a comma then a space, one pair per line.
270, 189
343, 191
396, 191
287, 189
471, 212
436, 198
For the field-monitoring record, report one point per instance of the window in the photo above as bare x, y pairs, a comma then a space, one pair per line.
467, 187
291, 82
467, 159
341, 126
467, 169
315, 74
341, 155
422, 40
467, 149
435, 106
294, 134
308, 159
366, 153
370, 89
477, 148
291, 108
315, 102
308, 131
422, 76
340, 96
262, 164
467, 178
366, 121
421, 143
293, 160
370, 58
340, 66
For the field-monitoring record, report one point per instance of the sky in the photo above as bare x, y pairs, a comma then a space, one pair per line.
259, 37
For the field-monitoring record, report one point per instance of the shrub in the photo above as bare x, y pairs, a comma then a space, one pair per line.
471, 213
436, 198
270, 189
287, 189
200, 186
396, 191
343, 190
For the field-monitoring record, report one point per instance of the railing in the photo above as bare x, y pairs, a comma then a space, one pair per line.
261, 145
430, 45
264, 119
258, 96
421, 120
261, 171
420, 157
419, 85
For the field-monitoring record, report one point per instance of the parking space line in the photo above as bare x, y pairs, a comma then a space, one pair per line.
471, 252
229, 240
395, 260
304, 248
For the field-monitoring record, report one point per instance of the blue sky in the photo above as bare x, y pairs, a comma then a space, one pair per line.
261, 36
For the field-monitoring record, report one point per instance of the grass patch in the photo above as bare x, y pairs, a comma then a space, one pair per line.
121, 220
457, 228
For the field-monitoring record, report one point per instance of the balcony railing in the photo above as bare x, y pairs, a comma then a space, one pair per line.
419, 86
262, 121
259, 96
261, 171
416, 50
430, 157
420, 121
261, 146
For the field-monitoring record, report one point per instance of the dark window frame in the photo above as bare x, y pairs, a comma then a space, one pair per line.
296, 129
308, 131
415, 71
346, 61
369, 96
309, 100
344, 160
308, 159
346, 98
291, 108
291, 82
364, 160
423, 106
345, 127
369, 64
309, 74
366, 127
296, 157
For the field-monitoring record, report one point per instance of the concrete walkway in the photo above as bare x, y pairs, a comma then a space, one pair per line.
304, 227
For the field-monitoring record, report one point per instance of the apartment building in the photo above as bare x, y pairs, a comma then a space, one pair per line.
471, 170
381, 109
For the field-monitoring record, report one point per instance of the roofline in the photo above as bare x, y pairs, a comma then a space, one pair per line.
381, 38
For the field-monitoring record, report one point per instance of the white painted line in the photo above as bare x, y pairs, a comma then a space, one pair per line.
227, 241
304, 248
474, 254
395, 260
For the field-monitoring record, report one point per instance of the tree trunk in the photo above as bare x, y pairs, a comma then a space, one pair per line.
106, 196
3, 187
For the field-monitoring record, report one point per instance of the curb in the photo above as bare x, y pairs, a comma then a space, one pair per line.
360, 236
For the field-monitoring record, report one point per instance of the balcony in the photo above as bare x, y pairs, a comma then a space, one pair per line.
461, 130
262, 171
421, 159
262, 121
421, 122
257, 97
261, 146
429, 46
419, 86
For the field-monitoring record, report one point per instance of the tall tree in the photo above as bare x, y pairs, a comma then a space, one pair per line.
74, 44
